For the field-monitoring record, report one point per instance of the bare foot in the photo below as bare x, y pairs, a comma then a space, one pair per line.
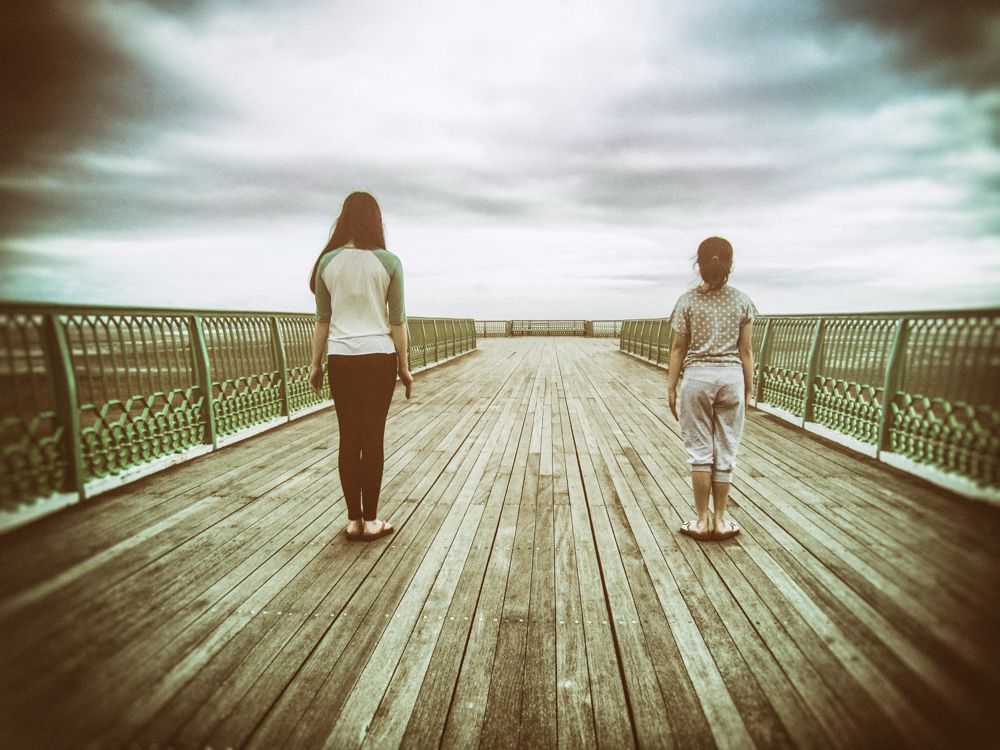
354, 527
376, 528
725, 529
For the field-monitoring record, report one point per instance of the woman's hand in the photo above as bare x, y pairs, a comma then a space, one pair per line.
407, 377
316, 380
672, 397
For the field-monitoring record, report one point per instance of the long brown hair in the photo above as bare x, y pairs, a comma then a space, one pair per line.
360, 222
715, 261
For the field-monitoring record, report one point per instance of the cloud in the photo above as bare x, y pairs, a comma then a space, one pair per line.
956, 42
68, 82
594, 148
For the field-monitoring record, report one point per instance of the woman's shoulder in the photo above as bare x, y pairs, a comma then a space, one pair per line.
390, 261
384, 254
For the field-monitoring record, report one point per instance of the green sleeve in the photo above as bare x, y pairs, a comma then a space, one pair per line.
394, 295
323, 308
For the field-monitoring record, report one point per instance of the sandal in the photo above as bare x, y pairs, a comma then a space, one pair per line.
688, 528
355, 537
384, 530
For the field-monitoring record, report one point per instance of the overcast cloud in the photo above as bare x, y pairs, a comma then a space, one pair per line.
532, 159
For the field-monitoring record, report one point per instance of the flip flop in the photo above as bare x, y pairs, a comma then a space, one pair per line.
382, 531
359, 537
688, 529
721, 535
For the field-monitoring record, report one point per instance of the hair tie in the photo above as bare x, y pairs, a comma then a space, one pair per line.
715, 258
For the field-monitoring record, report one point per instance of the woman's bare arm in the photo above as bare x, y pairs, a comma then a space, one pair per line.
320, 333
400, 339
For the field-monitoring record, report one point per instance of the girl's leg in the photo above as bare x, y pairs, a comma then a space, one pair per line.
344, 387
727, 432
380, 384
695, 403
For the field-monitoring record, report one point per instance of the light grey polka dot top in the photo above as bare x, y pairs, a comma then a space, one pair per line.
711, 320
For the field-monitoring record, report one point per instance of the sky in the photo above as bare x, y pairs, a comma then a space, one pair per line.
540, 159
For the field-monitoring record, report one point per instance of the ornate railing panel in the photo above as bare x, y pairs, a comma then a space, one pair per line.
245, 379
849, 382
136, 396
30, 430
945, 407
97, 393
940, 369
784, 371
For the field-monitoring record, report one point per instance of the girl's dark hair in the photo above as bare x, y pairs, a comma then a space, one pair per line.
715, 261
360, 222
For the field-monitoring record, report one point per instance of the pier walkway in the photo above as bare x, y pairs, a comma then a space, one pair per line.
536, 591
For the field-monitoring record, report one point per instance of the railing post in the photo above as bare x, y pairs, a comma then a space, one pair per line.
811, 367
758, 388
659, 329
67, 406
203, 374
893, 370
280, 364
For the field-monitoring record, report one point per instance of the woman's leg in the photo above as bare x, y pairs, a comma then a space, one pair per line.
345, 387
380, 384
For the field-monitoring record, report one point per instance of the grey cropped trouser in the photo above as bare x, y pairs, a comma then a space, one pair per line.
711, 404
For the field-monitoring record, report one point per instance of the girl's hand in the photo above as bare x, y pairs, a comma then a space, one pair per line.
316, 380
672, 397
407, 378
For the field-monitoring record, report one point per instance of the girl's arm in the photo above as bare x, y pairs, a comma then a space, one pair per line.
746, 357
320, 333
677, 352
400, 339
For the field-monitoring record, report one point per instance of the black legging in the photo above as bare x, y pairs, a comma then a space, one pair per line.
361, 386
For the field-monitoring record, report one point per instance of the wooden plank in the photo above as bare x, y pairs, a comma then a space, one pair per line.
415, 708
466, 714
611, 711
640, 552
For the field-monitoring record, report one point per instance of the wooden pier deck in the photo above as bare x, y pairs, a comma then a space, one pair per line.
536, 592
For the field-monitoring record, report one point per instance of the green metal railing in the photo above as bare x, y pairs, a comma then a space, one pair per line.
91, 393
588, 328
941, 370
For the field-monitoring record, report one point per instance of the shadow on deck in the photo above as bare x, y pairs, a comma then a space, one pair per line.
536, 591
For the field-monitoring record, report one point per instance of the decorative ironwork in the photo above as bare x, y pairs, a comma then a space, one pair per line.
939, 369
90, 393
135, 389
31, 461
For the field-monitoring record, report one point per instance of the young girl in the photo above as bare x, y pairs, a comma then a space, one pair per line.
712, 328
361, 330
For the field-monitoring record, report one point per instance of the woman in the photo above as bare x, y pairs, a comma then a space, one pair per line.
712, 326
361, 328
